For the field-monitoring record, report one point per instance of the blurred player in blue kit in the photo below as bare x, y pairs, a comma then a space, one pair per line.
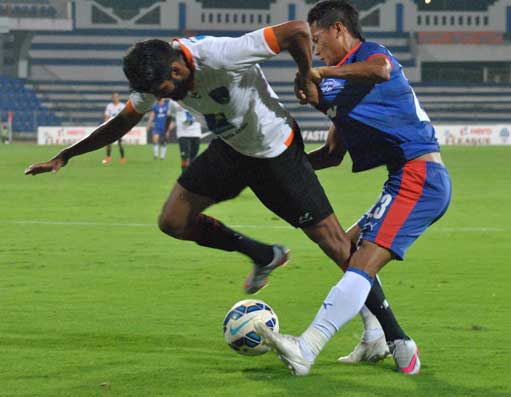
377, 119
160, 124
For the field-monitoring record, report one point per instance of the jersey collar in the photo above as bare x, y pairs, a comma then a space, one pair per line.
350, 53
187, 53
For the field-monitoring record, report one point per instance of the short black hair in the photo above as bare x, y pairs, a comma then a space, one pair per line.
147, 64
327, 12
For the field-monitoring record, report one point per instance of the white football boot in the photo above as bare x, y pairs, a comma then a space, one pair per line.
372, 352
287, 348
258, 278
406, 356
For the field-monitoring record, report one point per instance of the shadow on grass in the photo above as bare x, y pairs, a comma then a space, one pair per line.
321, 382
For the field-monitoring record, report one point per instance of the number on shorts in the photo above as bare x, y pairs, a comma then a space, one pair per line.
384, 202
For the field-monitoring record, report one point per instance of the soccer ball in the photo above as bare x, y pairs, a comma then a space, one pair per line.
239, 332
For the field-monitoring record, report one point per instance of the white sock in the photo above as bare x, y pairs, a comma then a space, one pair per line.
343, 302
163, 151
155, 150
372, 327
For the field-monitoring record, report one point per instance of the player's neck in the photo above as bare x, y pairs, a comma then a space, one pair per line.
347, 45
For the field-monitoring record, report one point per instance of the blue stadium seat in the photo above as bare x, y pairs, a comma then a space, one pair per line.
28, 112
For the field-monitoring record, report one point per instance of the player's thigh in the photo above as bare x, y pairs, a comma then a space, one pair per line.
288, 186
119, 141
156, 138
354, 233
218, 173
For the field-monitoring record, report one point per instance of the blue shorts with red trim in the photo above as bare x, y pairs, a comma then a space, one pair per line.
413, 198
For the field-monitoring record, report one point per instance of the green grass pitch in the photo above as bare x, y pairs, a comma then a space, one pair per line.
96, 301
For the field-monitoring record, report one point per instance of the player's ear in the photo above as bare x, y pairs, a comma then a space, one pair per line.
179, 70
340, 29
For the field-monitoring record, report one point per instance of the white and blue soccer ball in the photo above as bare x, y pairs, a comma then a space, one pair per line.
239, 332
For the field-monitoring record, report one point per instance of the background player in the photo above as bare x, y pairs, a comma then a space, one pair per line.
188, 133
160, 125
260, 145
112, 110
378, 120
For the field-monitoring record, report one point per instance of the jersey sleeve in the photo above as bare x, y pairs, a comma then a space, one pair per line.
239, 53
108, 111
142, 102
172, 110
371, 50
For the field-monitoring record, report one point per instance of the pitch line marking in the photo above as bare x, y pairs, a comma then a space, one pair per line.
153, 225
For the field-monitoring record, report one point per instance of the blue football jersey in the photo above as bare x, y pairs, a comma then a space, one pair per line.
379, 124
160, 116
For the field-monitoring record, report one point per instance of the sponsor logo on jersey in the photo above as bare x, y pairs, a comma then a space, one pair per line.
330, 84
220, 95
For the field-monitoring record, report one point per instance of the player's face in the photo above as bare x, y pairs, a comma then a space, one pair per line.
327, 43
179, 82
115, 98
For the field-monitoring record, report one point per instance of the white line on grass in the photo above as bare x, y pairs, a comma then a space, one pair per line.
473, 229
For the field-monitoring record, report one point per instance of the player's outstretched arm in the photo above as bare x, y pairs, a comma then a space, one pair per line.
374, 70
105, 134
330, 154
295, 37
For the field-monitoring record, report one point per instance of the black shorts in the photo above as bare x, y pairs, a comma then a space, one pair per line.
188, 147
286, 184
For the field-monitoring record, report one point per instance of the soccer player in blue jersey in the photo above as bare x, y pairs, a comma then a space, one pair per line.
377, 119
159, 124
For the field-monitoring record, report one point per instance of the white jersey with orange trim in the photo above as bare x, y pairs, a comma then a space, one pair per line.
231, 95
186, 125
113, 109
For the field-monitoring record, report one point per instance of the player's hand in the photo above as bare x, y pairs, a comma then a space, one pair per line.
49, 166
306, 89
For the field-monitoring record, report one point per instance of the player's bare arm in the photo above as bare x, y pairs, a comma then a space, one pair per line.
105, 134
150, 121
295, 37
330, 154
373, 71
171, 127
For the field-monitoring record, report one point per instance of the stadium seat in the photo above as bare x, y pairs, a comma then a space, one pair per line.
16, 97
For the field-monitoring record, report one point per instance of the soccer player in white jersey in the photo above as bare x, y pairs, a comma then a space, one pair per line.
259, 145
188, 133
113, 109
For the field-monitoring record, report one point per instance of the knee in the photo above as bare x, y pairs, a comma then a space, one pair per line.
172, 225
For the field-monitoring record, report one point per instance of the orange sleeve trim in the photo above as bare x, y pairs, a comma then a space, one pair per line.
289, 139
271, 39
130, 108
187, 53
